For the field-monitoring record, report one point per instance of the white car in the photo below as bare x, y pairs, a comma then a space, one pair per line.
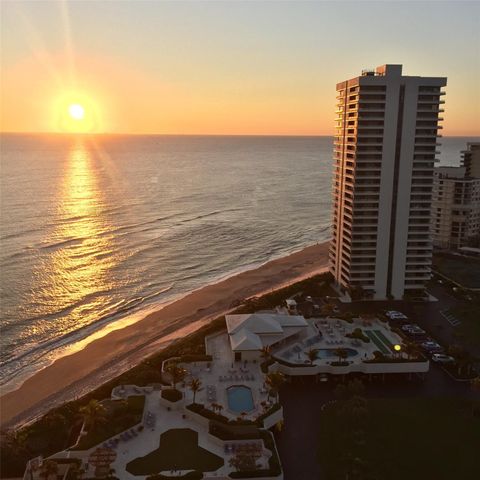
442, 358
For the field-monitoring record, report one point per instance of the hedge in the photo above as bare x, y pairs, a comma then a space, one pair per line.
205, 412
227, 432
263, 416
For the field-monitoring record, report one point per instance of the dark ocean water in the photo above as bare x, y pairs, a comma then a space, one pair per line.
95, 229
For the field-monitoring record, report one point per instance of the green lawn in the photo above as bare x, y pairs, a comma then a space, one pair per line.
178, 449
465, 271
404, 439
119, 418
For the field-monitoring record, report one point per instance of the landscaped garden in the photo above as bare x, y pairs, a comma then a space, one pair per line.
400, 438
109, 418
178, 450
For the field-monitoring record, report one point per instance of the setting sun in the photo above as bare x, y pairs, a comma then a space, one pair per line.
76, 111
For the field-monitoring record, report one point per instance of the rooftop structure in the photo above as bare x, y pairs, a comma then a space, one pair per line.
249, 333
385, 146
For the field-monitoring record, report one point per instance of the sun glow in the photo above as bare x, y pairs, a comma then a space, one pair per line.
76, 113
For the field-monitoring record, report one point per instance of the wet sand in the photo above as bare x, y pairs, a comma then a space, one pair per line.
74, 375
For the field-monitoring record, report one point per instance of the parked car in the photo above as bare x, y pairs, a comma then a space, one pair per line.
394, 315
413, 329
442, 358
431, 347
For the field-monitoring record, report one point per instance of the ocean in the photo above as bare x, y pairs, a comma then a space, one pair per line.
99, 230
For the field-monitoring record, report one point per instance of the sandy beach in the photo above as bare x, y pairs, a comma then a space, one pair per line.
74, 375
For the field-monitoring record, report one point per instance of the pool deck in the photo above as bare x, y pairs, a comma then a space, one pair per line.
330, 333
223, 373
148, 440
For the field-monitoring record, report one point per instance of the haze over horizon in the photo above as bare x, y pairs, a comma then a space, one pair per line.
228, 68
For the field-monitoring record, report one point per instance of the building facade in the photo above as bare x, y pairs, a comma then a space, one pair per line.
456, 202
385, 145
471, 160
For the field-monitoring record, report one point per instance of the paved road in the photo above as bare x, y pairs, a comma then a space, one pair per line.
302, 399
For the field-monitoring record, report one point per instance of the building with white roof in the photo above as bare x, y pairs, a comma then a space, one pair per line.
249, 333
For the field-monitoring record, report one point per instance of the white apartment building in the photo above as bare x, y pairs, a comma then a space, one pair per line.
384, 154
456, 202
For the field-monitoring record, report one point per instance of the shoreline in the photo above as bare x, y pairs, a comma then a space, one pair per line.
74, 375
17, 380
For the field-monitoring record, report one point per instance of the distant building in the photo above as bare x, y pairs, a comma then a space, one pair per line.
456, 202
385, 147
471, 159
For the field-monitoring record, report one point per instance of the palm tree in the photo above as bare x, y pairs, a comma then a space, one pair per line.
341, 353
274, 381
195, 385
266, 352
93, 414
312, 355
49, 468
177, 373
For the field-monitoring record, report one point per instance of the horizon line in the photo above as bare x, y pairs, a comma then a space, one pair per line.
193, 134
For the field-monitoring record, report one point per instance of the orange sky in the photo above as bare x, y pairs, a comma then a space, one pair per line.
203, 68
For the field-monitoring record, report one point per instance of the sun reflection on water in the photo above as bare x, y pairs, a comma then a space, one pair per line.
74, 279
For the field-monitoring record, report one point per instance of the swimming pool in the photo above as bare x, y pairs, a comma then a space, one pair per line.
240, 399
330, 352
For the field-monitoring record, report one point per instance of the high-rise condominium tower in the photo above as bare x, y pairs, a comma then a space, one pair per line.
385, 147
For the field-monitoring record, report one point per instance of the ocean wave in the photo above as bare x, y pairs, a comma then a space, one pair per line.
47, 347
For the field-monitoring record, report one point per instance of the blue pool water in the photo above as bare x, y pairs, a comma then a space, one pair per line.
330, 352
240, 399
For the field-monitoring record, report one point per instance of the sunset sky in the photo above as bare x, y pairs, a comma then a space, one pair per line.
224, 67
